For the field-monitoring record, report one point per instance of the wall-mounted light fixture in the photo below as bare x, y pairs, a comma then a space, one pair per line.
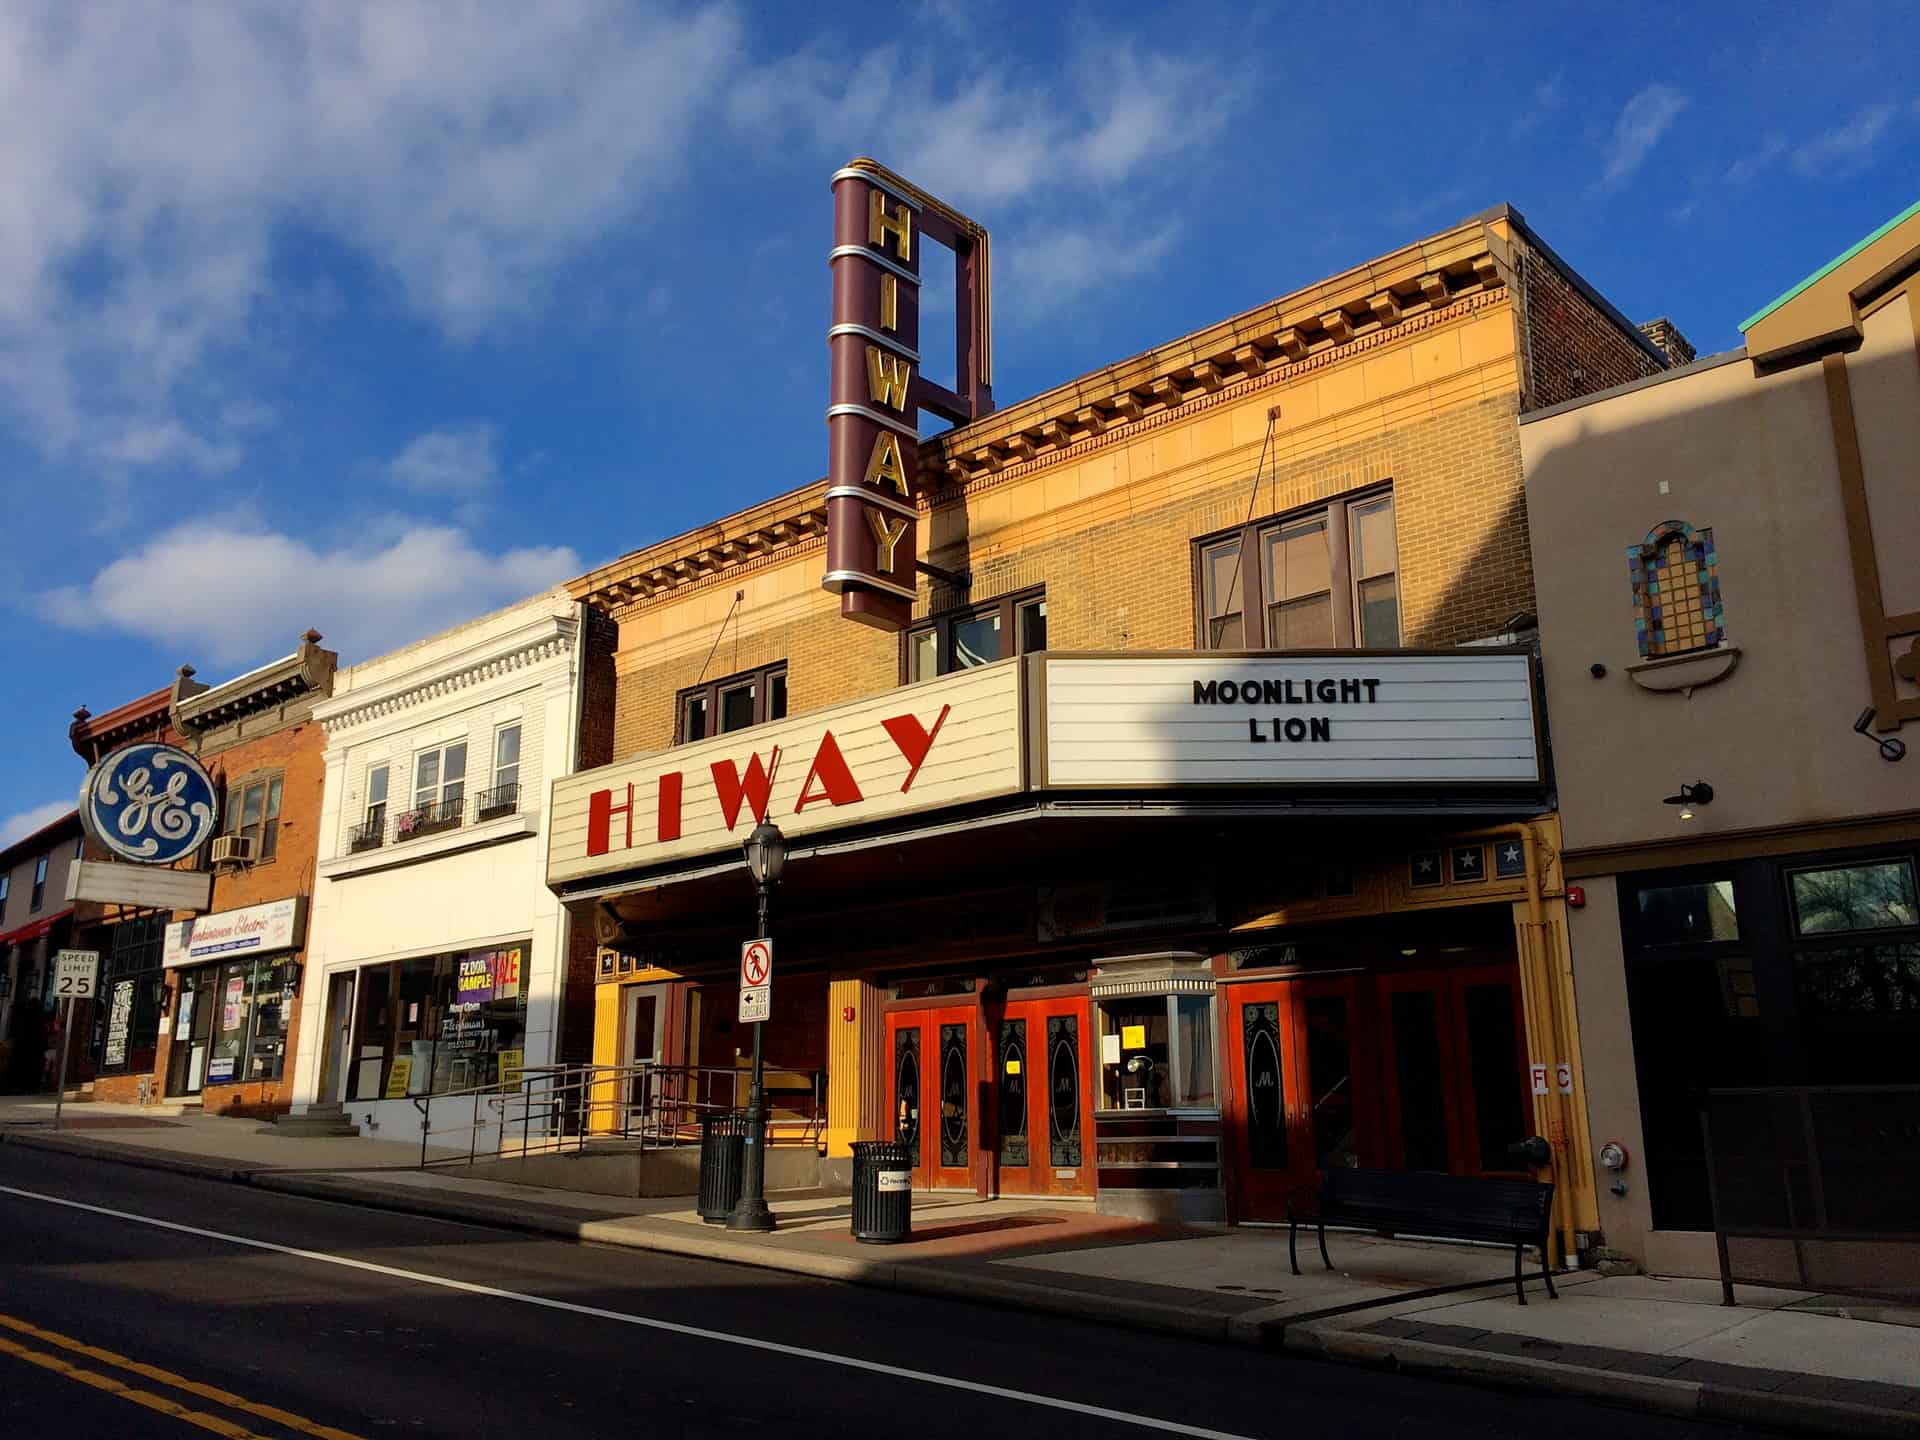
1698, 793
1890, 748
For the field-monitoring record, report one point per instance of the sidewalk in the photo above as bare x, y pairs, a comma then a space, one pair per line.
1781, 1359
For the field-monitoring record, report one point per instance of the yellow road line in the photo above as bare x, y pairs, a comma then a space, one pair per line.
126, 1392
165, 1377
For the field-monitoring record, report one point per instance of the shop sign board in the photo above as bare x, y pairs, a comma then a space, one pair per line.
1357, 718
756, 981
922, 747
878, 385
75, 974
254, 929
148, 803
108, 882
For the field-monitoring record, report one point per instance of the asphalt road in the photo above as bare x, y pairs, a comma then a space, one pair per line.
111, 1326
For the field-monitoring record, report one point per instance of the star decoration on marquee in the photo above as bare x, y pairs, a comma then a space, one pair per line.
1424, 868
1509, 859
1468, 863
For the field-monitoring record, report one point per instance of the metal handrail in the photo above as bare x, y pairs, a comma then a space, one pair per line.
650, 1104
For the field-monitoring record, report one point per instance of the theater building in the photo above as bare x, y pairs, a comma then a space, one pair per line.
1730, 607
439, 962
1194, 831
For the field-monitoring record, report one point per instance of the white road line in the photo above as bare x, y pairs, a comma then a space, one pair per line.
826, 1357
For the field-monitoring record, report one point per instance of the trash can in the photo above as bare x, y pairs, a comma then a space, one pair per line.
723, 1159
882, 1191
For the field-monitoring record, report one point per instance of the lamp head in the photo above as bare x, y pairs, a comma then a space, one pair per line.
766, 854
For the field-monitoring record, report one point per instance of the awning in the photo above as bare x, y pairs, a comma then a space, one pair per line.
33, 930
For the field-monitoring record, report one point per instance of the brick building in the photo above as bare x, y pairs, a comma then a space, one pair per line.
1019, 903
36, 920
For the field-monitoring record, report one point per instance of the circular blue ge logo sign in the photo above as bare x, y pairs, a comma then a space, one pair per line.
152, 804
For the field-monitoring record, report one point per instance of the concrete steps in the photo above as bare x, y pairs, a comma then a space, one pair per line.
317, 1120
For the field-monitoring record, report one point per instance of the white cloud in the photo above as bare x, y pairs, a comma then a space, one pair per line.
1749, 166
1548, 98
1062, 162
156, 154
453, 460
167, 442
24, 823
1845, 149
1643, 120
236, 591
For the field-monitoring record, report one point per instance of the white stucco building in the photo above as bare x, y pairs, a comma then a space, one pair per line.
438, 957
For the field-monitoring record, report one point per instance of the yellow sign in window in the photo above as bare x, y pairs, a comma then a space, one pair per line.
399, 1077
1133, 1037
1013, 1067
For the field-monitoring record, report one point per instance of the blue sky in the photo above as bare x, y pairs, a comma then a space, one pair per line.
375, 316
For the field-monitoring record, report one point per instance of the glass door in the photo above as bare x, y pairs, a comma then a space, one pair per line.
1043, 1103
1269, 1160
339, 1035
1454, 1069
192, 1033
1339, 1099
642, 1038
932, 1074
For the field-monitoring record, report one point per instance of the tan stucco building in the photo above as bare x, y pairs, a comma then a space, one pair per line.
1728, 569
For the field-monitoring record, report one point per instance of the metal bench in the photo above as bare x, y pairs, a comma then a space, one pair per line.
1453, 1207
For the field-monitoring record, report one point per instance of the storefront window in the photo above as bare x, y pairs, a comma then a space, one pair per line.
1156, 1052
1854, 897
441, 1023
1688, 914
127, 1025
252, 1001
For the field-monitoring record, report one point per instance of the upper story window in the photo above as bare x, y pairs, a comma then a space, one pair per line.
970, 635
253, 808
719, 707
376, 799
39, 896
1325, 578
79, 847
1675, 574
503, 796
6, 879
440, 778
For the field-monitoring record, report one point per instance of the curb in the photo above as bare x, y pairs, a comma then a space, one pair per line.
125, 1155
1686, 1399
932, 1280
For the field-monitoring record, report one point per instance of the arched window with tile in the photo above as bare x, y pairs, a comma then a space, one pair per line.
1676, 591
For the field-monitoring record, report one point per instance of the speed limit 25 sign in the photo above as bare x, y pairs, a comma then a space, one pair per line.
76, 973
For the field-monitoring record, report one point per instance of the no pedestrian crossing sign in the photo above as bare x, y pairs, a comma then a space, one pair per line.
756, 981
75, 974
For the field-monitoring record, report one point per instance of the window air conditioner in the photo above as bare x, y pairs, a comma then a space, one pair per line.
232, 849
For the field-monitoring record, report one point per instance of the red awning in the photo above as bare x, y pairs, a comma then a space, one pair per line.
34, 929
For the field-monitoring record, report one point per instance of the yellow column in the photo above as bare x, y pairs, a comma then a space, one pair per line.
853, 1056
1553, 1033
606, 1051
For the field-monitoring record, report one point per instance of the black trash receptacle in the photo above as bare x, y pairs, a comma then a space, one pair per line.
882, 1191
723, 1158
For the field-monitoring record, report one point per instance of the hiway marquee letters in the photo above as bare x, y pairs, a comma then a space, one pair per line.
829, 781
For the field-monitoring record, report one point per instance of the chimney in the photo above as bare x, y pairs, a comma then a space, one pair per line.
1668, 339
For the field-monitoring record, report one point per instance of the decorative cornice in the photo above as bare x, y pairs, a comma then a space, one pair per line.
464, 672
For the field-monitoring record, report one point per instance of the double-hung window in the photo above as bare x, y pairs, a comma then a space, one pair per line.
39, 896
371, 832
719, 707
253, 809
5, 880
503, 798
1324, 578
970, 635
439, 787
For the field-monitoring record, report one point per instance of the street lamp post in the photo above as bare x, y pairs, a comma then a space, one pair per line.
766, 855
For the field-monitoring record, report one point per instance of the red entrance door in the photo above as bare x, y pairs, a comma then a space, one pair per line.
932, 1078
1042, 1098
1454, 1051
1304, 1093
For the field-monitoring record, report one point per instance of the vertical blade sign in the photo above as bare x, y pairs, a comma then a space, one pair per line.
880, 223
